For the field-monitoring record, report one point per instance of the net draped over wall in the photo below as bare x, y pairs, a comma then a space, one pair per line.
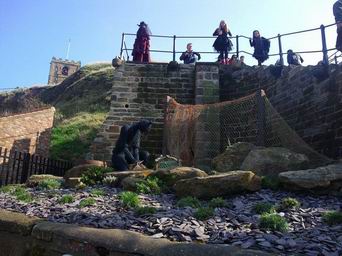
198, 133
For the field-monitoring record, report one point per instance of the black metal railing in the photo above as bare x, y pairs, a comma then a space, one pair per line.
326, 59
16, 167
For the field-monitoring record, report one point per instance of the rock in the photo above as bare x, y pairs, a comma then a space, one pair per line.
35, 179
326, 178
232, 158
130, 183
117, 62
122, 175
74, 183
92, 162
273, 160
77, 171
170, 177
218, 185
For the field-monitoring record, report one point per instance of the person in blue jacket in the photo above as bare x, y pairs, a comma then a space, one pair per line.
127, 149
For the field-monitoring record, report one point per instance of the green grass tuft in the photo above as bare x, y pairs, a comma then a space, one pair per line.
152, 185
264, 207
217, 202
87, 202
270, 183
71, 139
8, 189
273, 222
145, 210
204, 213
288, 203
66, 199
48, 184
21, 194
189, 201
129, 199
332, 218
97, 192
94, 175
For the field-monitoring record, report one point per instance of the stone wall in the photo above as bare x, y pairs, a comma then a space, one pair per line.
28, 132
21, 236
308, 98
139, 91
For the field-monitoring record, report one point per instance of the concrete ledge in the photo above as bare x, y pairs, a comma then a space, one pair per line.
19, 223
58, 238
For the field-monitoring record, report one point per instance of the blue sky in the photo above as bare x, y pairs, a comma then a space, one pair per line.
33, 31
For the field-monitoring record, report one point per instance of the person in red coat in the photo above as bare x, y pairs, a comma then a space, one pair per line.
141, 48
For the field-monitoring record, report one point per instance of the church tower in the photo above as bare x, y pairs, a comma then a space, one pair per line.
61, 69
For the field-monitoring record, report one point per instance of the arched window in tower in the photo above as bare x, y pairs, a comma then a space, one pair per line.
65, 71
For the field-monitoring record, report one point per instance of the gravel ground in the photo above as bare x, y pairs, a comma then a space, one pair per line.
236, 224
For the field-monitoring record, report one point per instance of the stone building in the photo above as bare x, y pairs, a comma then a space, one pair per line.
61, 69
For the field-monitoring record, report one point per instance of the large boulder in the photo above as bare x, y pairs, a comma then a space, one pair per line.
34, 180
232, 158
273, 160
77, 171
322, 179
170, 177
218, 185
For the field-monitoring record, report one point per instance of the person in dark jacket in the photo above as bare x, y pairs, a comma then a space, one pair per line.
127, 149
294, 58
141, 48
261, 47
189, 56
337, 9
222, 43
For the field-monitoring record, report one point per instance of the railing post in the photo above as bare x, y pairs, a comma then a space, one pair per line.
280, 50
25, 168
174, 48
261, 118
237, 46
122, 44
324, 44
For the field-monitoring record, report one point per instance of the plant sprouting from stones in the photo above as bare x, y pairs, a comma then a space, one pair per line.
129, 199
189, 202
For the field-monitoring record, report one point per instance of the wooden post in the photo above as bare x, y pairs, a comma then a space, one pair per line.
261, 118
26, 168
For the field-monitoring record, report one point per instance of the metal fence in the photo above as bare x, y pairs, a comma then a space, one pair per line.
326, 59
16, 167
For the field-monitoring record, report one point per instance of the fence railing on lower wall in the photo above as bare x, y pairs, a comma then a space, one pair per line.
16, 167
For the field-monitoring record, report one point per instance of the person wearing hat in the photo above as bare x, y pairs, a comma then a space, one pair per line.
127, 149
141, 48
337, 9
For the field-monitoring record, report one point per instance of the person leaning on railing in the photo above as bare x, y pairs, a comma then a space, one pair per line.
261, 47
337, 9
189, 56
294, 58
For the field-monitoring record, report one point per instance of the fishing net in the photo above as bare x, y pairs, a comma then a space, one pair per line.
198, 133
